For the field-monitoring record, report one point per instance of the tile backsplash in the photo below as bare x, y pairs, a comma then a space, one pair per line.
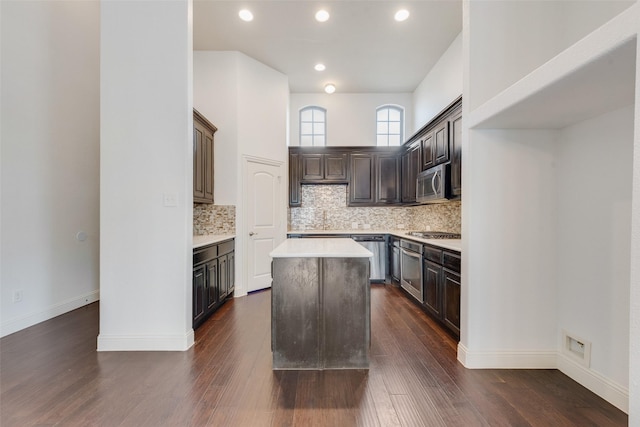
213, 219
325, 207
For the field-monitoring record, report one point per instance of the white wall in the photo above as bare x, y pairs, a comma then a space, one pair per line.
247, 101
512, 38
595, 255
351, 117
595, 161
146, 152
509, 288
50, 161
440, 87
215, 95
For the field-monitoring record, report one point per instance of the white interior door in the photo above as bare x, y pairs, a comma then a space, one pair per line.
264, 221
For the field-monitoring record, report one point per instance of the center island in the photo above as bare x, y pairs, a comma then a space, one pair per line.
320, 304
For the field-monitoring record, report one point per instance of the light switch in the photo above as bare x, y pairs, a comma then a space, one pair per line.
170, 200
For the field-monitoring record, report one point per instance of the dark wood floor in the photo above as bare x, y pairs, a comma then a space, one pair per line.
52, 375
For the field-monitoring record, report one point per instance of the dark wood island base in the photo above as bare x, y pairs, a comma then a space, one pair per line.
321, 311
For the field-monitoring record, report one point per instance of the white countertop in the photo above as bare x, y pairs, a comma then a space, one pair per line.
453, 244
210, 239
320, 248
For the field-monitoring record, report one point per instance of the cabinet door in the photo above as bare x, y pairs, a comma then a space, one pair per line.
203, 148
223, 278
456, 153
208, 166
198, 160
212, 285
335, 167
361, 186
451, 308
388, 179
428, 151
199, 286
410, 168
231, 268
295, 189
432, 280
441, 142
405, 178
312, 167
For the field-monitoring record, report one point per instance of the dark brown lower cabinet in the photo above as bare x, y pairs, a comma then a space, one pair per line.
199, 289
451, 309
432, 278
441, 286
213, 278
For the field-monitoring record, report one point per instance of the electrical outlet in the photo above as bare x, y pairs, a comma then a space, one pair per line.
354, 225
17, 295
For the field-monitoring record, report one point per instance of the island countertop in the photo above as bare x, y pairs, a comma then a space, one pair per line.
320, 248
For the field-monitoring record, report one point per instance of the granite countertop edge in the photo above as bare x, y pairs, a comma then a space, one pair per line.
210, 239
452, 244
320, 248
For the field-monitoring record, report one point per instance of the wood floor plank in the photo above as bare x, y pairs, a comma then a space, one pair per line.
50, 374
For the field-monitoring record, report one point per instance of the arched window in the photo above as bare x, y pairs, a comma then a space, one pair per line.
313, 126
389, 125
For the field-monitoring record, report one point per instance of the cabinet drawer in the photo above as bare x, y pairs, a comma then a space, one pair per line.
433, 254
451, 261
225, 247
205, 254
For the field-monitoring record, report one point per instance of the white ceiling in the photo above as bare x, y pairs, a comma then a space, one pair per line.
364, 49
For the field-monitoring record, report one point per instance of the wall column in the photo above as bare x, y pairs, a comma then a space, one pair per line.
146, 168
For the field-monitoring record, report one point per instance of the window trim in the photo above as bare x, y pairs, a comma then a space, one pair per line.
395, 107
300, 134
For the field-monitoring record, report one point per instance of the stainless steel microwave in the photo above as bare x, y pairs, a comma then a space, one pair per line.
434, 184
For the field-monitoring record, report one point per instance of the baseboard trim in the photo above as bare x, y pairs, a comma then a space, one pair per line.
526, 359
146, 342
19, 323
609, 390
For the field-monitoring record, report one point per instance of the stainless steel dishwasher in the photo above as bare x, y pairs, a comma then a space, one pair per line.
376, 243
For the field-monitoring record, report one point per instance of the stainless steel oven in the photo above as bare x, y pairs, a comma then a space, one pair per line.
411, 268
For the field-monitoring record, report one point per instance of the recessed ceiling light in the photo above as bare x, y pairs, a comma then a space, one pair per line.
320, 67
329, 88
246, 15
322, 15
401, 15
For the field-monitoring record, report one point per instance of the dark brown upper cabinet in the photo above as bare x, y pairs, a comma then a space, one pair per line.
335, 167
441, 142
387, 188
428, 151
327, 168
312, 167
375, 177
411, 166
203, 146
455, 124
361, 186
435, 145
295, 176
316, 165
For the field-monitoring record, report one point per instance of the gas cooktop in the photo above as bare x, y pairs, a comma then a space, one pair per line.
434, 234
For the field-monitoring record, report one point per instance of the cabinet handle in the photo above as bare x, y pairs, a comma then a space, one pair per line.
251, 233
